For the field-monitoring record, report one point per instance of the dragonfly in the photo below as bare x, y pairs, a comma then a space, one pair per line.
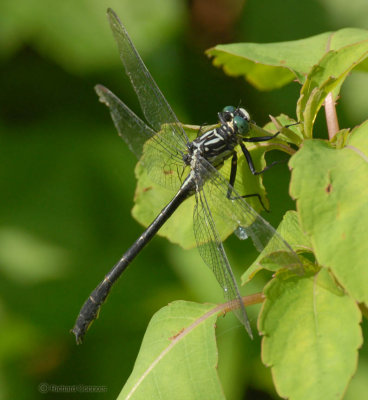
189, 168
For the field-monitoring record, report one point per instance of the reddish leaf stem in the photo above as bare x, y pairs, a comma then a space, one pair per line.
331, 116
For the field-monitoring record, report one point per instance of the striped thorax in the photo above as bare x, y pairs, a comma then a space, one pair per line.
218, 144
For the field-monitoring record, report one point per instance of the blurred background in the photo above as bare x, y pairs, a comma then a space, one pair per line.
67, 180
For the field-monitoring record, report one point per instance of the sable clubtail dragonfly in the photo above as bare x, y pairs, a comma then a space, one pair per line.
191, 169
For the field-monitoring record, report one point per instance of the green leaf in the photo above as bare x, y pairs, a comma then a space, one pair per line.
269, 66
325, 77
290, 230
341, 137
178, 356
358, 139
311, 336
292, 134
330, 187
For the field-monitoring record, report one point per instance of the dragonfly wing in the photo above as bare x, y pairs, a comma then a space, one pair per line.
238, 215
130, 127
154, 105
160, 158
213, 254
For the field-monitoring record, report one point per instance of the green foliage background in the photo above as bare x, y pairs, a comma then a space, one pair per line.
67, 183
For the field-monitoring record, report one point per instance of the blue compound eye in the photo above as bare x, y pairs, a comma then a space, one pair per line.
229, 109
241, 124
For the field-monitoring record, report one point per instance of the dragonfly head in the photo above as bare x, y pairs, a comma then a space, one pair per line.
241, 125
237, 117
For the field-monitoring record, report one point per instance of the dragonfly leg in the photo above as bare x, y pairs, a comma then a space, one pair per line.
265, 138
260, 139
234, 167
259, 198
200, 130
251, 164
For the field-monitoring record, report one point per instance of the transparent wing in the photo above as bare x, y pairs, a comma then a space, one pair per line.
154, 105
213, 254
237, 214
160, 156
164, 166
131, 128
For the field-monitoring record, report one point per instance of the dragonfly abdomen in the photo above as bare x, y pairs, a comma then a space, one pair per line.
91, 307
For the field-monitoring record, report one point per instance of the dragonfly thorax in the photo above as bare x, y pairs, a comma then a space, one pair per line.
218, 144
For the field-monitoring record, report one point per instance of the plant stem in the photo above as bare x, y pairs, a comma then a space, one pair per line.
331, 116
249, 300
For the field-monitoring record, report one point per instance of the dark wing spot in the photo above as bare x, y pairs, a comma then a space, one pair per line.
328, 188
